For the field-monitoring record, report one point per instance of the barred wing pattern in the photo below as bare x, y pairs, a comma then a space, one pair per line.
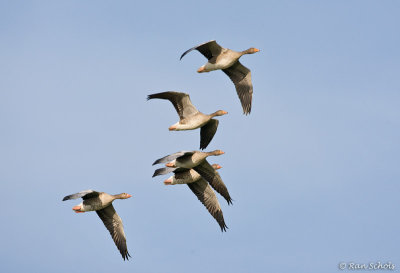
207, 197
212, 176
241, 77
113, 223
181, 102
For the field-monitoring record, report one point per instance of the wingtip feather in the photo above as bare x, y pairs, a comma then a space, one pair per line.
126, 256
224, 227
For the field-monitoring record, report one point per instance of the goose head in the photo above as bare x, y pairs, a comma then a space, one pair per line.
251, 50
123, 196
217, 152
219, 113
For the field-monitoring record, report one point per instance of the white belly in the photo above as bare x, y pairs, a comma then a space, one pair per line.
194, 123
220, 65
191, 126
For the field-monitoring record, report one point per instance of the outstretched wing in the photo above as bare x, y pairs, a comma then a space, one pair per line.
207, 197
212, 176
208, 49
171, 157
113, 223
84, 194
241, 77
207, 133
181, 102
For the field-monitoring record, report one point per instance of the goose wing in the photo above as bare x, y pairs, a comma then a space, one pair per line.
207, 133
84, 194
241, 77
208, 49
212, 176
207, 197
162, 171
181, 102
113, 223
171, 157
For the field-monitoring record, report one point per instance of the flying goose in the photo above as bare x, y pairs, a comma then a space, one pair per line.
202, 190
196, 160
228, 61
101, 202
190, 117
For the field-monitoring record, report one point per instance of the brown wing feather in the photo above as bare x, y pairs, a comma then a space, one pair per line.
113, 223
212, 176
208, 49
84, 194
181, 102
241, 77
172, 157
207, 133
207, 197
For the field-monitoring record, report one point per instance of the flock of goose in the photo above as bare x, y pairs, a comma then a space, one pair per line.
189, 167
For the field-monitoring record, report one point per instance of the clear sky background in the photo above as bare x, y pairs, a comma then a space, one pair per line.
313, 171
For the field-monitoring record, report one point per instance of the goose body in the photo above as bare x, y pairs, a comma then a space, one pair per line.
224, 60
196, 121
101, 202
227, 60
184, 176
92, 204
189, 117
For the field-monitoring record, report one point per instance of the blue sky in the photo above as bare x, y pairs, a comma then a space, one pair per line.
313, 171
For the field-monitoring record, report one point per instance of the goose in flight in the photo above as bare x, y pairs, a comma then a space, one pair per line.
196, 160
228, 61
101, 202
190, 117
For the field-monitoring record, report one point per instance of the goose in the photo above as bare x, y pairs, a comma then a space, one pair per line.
228, 61
196, 160
101, 202
190, 117
202, 190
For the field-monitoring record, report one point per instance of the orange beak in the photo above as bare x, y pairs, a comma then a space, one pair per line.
219, 166
128, 196
256, 50
170, 164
